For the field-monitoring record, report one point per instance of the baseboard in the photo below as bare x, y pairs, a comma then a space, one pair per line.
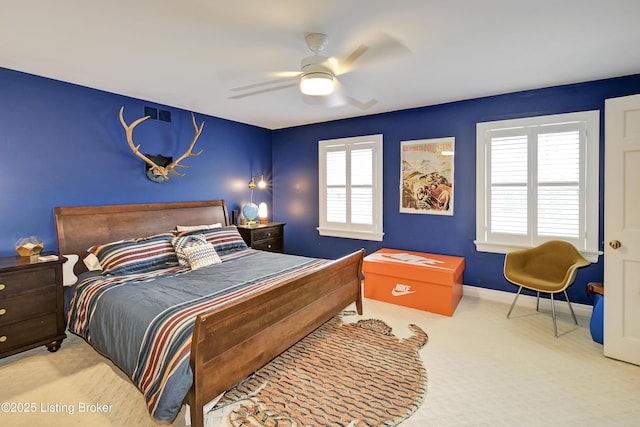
528, 301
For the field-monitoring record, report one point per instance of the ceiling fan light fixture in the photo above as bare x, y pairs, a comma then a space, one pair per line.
316, 83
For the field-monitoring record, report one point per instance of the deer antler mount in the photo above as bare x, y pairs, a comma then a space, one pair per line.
160, 172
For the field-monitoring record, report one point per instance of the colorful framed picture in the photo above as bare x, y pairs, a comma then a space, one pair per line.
426, 176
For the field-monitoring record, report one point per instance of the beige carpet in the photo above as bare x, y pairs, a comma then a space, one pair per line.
484, 370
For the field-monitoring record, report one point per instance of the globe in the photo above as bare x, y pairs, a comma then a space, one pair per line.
250, 212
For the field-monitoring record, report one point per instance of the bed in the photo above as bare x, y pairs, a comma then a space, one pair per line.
227, 340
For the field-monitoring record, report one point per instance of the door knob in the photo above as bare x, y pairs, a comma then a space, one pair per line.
615, 244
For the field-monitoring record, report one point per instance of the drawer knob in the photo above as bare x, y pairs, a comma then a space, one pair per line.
2, 286
3, 311
3, 338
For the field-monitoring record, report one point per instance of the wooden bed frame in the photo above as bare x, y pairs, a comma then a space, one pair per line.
263, 325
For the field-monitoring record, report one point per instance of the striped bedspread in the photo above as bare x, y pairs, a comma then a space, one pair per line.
144, 322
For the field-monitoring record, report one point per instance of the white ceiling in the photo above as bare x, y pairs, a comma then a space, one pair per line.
190, 53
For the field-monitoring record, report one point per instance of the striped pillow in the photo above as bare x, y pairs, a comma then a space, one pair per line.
201, 256
181, 243
136, 255
225, 240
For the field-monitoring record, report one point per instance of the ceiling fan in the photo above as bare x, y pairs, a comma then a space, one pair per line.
317, 79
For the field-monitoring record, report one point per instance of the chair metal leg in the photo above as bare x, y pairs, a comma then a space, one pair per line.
553, 311
514, 301
553, 308
570, 308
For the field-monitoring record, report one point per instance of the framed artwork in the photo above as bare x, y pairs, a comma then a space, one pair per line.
426, 176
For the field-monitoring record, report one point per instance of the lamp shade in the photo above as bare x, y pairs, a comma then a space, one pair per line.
316, 83
263, 212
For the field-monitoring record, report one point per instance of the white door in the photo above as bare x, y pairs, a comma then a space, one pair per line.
622, 229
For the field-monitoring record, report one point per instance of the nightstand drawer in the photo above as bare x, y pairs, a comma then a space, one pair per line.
272, 245
28, 306
18, 282
267, 233
19, 334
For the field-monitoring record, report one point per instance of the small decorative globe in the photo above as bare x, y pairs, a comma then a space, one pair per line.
250, 212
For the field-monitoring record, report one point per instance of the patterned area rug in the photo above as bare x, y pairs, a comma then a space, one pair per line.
342, 374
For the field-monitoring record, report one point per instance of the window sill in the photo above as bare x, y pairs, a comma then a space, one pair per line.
503, 248
349, 234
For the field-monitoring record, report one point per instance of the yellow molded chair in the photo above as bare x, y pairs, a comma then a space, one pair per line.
550, 267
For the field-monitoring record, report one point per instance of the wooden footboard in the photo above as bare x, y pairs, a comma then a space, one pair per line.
233, 341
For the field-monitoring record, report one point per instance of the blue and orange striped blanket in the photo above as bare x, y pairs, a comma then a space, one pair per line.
144, 322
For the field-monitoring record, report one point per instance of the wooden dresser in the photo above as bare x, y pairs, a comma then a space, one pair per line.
31, 304
266, 237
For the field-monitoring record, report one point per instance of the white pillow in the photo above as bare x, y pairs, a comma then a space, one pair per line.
198, 227
92, 263
68, 277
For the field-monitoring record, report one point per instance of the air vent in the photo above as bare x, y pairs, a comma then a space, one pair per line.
164, 115
156, 114
151, 112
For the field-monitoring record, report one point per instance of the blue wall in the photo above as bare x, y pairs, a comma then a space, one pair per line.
295, 168
63, 145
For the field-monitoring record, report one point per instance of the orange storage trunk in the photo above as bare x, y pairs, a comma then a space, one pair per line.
418, 280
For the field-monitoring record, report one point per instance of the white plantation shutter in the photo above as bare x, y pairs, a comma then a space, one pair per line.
362, 185
350, 187
336, 184
537, 180
508, 174
559, 213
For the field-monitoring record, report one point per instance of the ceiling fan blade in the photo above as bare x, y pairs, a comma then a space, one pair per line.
349, 60
257, 92
337, 98
382, 48
261, 84
362, 105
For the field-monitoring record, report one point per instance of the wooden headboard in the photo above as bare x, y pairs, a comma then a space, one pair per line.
80, 227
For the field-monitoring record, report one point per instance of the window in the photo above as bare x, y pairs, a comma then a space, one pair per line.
537, 180
351, 187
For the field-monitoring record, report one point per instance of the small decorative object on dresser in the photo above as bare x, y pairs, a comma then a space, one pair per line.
266, 237
250, 212
29, 246
31, 304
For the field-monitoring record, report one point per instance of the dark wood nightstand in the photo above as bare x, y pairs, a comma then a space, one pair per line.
31, 304
266, 237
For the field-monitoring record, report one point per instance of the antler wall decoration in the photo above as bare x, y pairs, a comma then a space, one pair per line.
156, 172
